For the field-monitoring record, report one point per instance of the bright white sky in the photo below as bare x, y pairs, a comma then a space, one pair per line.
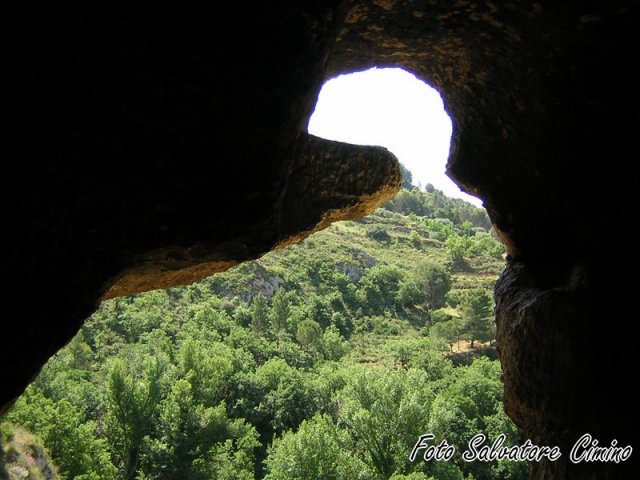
392, 108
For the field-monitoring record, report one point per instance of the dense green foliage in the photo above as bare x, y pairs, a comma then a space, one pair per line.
324, 360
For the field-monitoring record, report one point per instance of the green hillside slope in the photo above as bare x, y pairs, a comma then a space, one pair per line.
327, 359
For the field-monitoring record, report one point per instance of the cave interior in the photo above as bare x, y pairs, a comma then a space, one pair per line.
152, 148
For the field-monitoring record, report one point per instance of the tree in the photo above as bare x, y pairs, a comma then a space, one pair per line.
458, 246
279, 311
470, 405
80, 352
133, 393
485, 244
243, 316
284, 395
475, 308
334, 347
434, 282
409, 293
385, 412
259, 321
190, 437
407, 177
379, 287
450, 331
317, 450
439, 228
207, 367
309, 333
407, 202
319, 311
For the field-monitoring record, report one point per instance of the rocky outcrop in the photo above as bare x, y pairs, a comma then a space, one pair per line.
328, 181
154, 147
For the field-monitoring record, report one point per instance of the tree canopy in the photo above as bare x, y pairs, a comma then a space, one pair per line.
327, 359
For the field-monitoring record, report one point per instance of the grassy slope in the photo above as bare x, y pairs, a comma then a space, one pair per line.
347, 243
346, 246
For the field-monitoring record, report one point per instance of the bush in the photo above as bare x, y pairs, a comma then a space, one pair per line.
309, 334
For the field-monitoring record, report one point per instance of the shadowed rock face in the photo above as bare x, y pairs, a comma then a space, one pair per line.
153, 148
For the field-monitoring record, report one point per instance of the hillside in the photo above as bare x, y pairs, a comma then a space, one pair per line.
364, 277
327, 359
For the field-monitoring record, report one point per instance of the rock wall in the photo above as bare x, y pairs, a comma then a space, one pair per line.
150, 148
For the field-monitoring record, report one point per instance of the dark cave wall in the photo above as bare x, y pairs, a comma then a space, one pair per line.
153, 148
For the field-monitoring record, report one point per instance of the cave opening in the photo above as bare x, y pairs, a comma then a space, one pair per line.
393, 108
